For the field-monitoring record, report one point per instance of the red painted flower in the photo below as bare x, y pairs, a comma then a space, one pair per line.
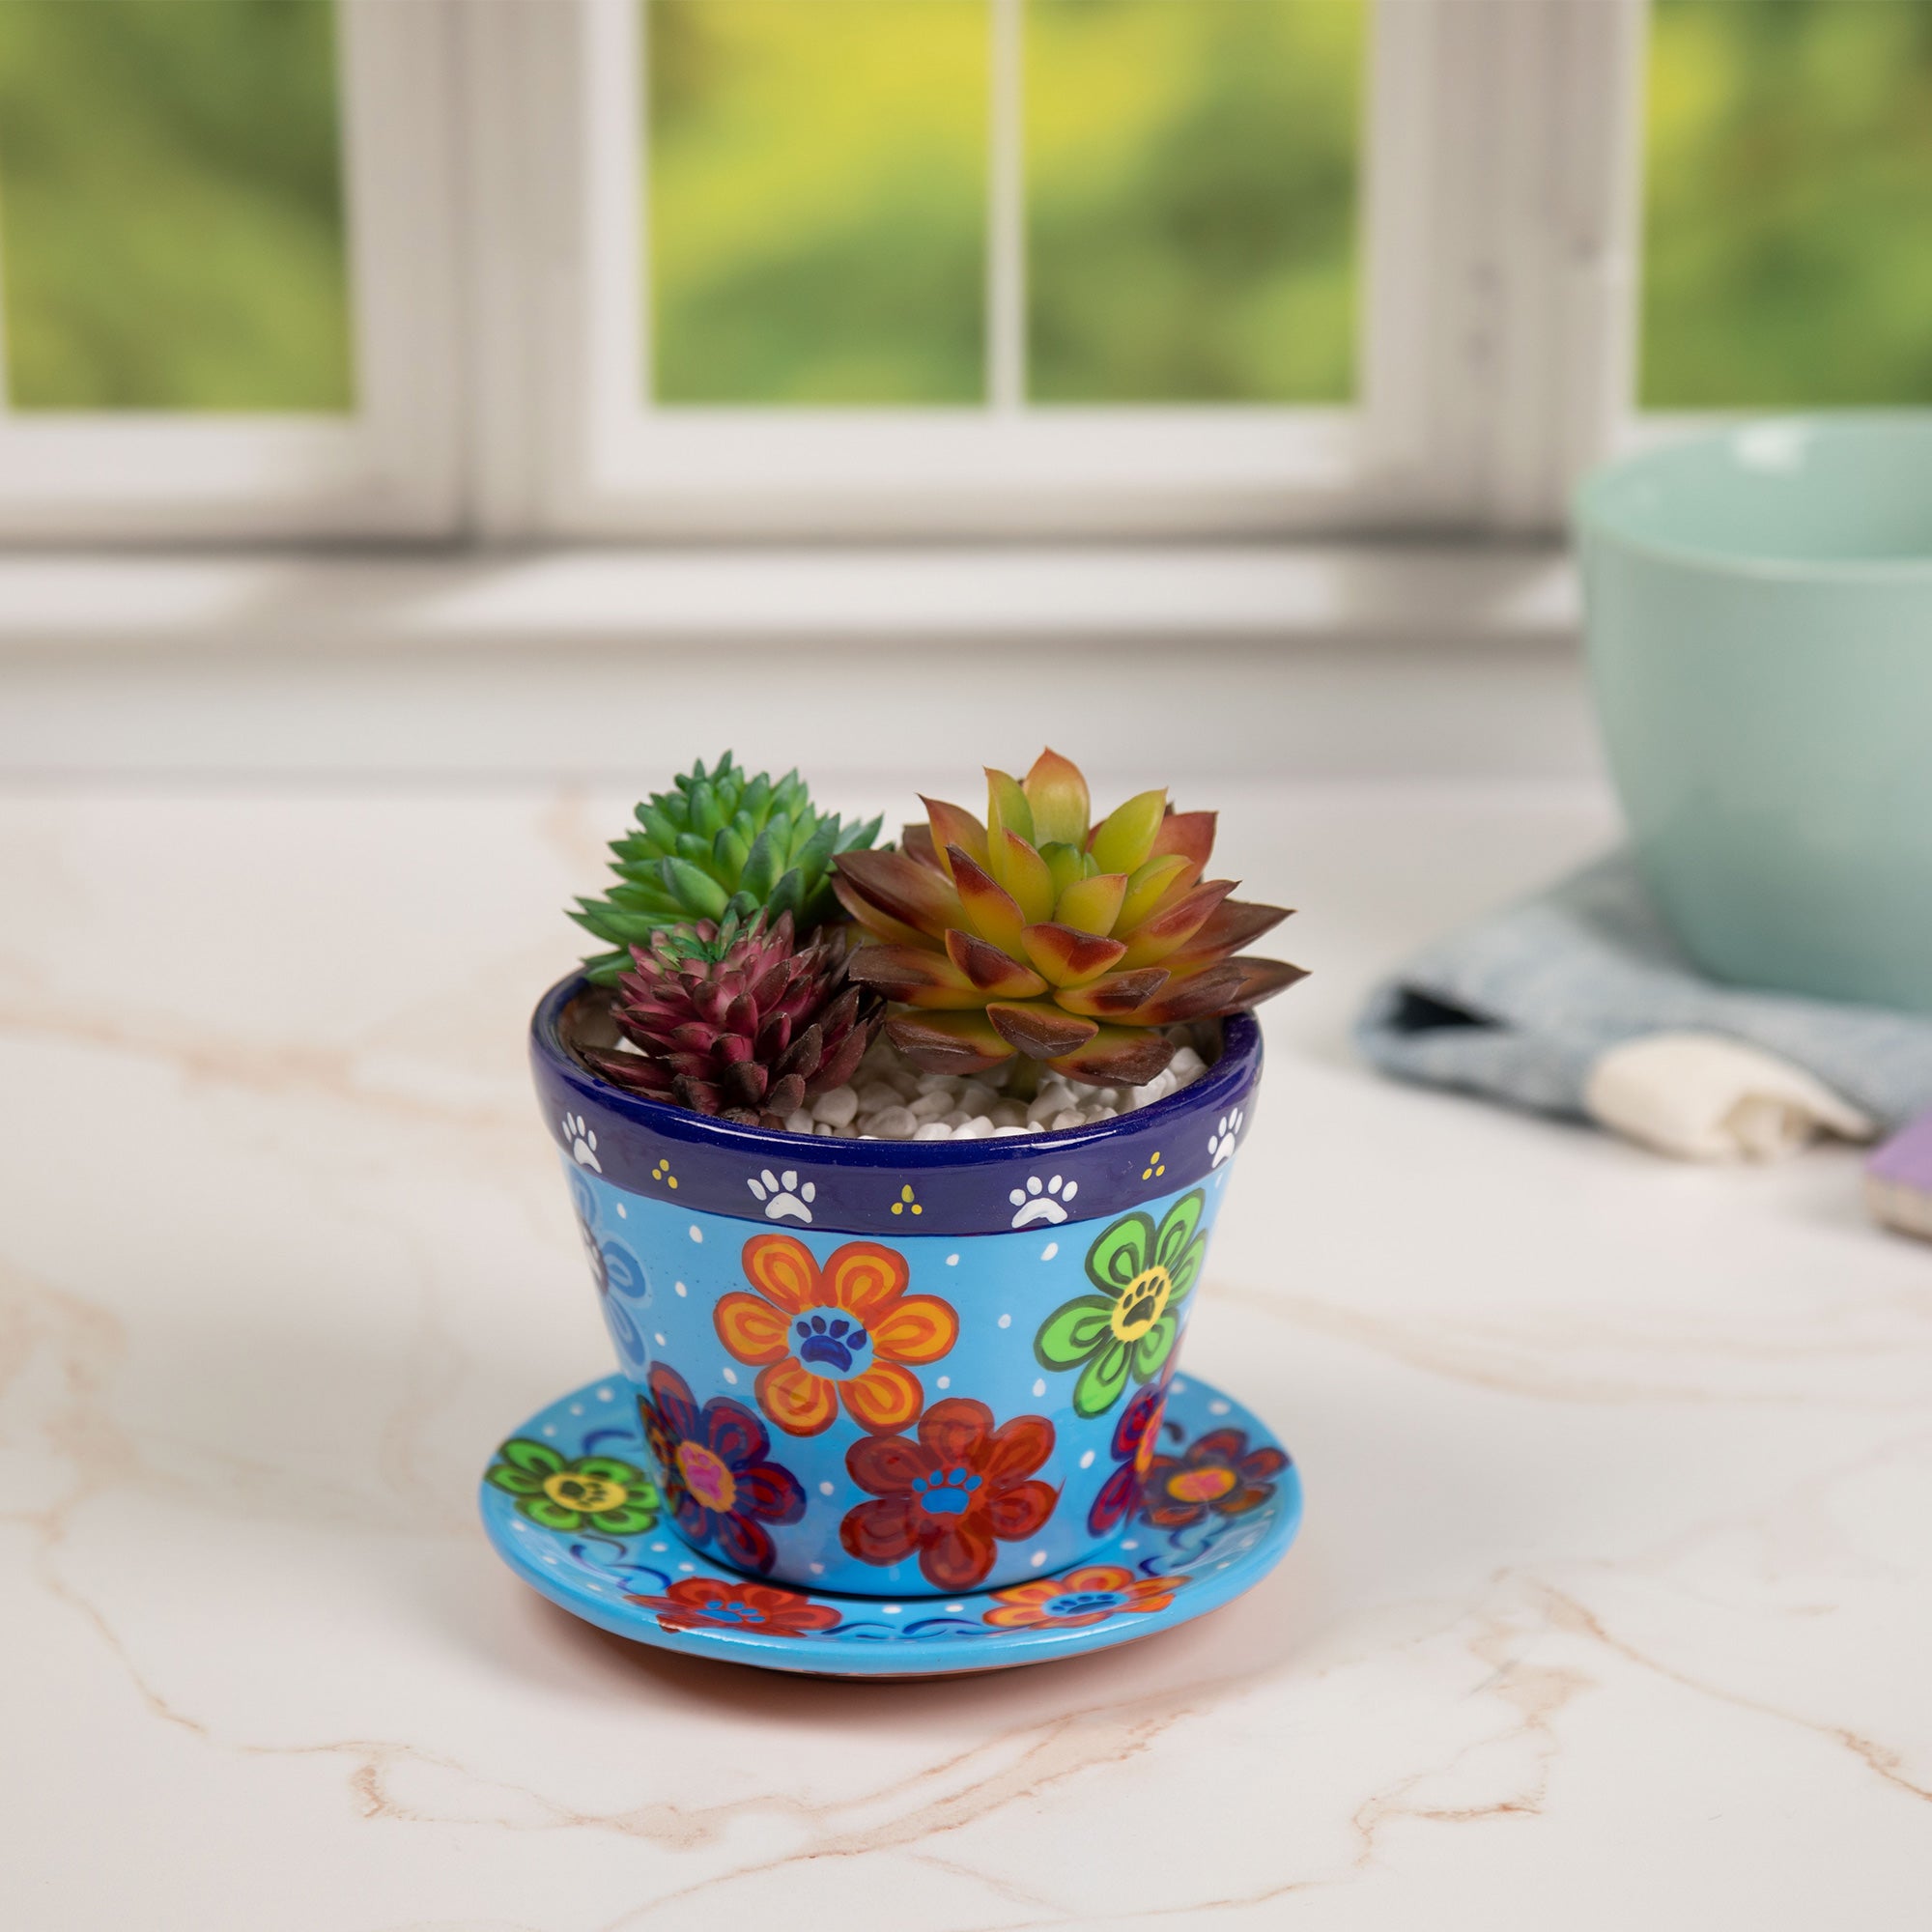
710, 1602
1133, 1450
711, 1464
1085, 1595
841, 1333
1217, 1471
950, 1493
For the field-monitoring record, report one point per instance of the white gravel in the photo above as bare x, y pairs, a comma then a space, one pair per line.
891, 1100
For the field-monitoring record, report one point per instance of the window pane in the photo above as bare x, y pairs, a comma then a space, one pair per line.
1788, 204
817, 196
1191, 183
171, 212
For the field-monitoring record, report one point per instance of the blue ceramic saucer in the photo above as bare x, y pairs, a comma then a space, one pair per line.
571, 1508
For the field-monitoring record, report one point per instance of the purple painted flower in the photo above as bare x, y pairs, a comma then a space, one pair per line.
1133, 1450
712, 1463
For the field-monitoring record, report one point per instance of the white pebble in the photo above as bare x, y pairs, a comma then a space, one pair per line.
799, 1122
890, 1099
825, 1129
934, 1130
837, 1107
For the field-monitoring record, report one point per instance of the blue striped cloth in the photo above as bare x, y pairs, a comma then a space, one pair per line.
1519, 1006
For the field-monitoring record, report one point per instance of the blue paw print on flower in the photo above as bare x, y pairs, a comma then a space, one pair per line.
836, 1344
1083, 1603
945, 1492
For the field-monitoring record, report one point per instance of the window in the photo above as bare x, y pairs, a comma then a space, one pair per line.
762, 269
1788, 205
222, 308
836, 194
227, 117
815, 186
1191, 197
964, 268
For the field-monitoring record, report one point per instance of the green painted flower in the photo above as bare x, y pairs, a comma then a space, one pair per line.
1126, 1332
589, 1492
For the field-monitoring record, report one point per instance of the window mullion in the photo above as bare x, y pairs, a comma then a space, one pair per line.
1005, 225
1401, 192
1527, 153
398, 95
521, 243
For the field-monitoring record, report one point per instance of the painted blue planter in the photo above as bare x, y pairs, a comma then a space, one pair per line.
888, 1368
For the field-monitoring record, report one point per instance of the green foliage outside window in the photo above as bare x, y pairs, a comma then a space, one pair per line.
1191, 177
1788, 204
171, 219
816, 195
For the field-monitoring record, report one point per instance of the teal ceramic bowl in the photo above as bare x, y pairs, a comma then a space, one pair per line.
1759, 613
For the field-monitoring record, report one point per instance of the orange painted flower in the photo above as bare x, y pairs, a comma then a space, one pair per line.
841, 1333
1085, 1595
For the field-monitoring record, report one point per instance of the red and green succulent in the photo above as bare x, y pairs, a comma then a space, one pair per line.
1040, 933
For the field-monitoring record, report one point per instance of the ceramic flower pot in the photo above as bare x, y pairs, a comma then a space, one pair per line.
888, 1368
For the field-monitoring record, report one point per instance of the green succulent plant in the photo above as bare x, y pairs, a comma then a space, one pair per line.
718, 843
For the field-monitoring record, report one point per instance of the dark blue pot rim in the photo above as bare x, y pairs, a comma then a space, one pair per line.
1106, 1158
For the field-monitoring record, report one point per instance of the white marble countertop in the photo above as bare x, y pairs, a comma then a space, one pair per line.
1611, 1609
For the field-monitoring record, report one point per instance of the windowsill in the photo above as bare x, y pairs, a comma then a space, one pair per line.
347, 603
596, 665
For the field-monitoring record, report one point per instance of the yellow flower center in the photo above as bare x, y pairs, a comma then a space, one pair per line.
589, 1494
1201, 1486
706, 1476
1142, 1304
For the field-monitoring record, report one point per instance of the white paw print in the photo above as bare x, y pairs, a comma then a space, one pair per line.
1038, 1204
1221, 1142
582, 1143
783, 1195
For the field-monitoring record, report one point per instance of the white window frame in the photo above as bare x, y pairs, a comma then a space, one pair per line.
498, 351
608, 463
389, 467
1495, 256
